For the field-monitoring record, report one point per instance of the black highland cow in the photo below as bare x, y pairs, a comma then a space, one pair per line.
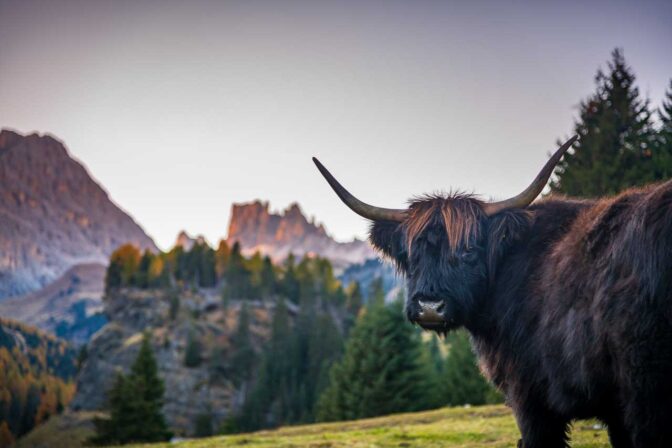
569, 302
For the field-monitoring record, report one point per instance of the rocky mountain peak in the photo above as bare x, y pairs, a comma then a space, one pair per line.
256, 228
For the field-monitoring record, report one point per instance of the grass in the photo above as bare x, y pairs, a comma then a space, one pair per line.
69, 430
484, 426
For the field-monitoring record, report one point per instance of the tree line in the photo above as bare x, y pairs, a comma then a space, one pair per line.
238, 277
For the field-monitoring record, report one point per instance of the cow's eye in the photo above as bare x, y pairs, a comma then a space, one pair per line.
433, 239
469, 256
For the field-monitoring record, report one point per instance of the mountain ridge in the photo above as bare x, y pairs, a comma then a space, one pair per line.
55, 215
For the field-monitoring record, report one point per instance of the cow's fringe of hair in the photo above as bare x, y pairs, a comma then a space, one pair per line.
460, 218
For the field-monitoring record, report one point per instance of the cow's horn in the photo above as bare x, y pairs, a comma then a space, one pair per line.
532, 191
357, 206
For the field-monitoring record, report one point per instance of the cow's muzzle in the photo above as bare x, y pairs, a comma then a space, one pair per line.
428, 312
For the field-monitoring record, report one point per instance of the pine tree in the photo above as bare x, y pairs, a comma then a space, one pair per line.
272, 385
433, 365
461, 379
113, 275
204, 259
377, 291
290, 282
268, 280
135, 404
380, 372
140, 277
663, 154
222, 255
615, 149
354, 298
243, 357
237, 276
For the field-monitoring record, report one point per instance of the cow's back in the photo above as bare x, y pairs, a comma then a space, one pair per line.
606, 300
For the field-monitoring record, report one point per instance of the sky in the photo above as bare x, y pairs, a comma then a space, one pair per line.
180, 109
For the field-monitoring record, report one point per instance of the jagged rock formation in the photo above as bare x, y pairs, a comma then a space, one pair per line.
187, 242
190, 391
53, 215
70, 307
278, 235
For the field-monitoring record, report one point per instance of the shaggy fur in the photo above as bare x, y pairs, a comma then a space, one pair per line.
569, 304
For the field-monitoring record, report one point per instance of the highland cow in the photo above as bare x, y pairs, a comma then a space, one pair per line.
568, 302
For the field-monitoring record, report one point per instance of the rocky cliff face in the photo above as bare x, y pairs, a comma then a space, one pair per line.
278, 235
189, 391
53, 215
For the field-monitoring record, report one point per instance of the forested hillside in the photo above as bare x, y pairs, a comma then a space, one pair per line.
36, 378
242, 343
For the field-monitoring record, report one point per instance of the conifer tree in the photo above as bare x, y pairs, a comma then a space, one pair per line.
135, 404
222, 255
461, 379
433, 365
377, 292
663, 154
290, 282
237, 276
354, 298
140, 277
243, 357
206, 266
113, 275
380, 372
272, 385
616, 144
268, 280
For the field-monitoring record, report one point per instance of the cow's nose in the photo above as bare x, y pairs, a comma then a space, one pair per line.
430, 310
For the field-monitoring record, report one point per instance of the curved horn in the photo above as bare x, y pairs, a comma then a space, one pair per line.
357, 206
532, 191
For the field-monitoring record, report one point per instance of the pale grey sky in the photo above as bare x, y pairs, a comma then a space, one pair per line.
181, 108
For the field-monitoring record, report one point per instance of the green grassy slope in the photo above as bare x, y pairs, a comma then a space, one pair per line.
485, 426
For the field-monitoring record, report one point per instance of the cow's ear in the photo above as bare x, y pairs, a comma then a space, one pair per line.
387, 237
504, 230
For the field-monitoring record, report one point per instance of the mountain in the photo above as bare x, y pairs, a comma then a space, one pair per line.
69, 307
279, 234
54, 215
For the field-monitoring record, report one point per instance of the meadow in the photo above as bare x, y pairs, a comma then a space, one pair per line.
466, 427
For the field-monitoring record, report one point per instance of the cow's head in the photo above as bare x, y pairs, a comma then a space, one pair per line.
447, 247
